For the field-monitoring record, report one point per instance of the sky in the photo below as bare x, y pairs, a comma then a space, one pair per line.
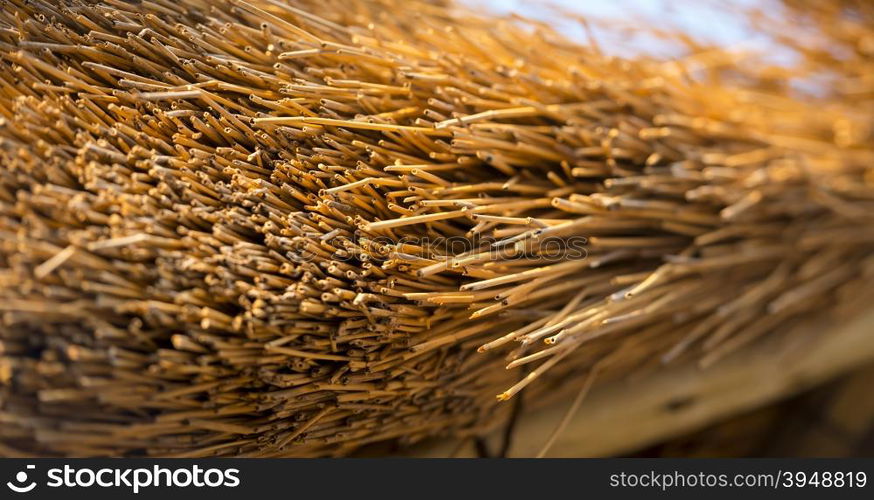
701, 18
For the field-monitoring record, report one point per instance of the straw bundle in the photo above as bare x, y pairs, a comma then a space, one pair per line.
269, 228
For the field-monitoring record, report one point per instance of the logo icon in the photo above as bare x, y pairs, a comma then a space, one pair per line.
20, 479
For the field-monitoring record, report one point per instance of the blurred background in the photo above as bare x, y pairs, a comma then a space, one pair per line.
833, 420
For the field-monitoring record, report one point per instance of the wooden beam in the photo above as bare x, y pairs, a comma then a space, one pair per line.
622, 417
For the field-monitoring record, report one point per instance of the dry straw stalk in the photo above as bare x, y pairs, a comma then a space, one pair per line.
231, 228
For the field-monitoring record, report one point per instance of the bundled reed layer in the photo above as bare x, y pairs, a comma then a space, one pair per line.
270, 228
